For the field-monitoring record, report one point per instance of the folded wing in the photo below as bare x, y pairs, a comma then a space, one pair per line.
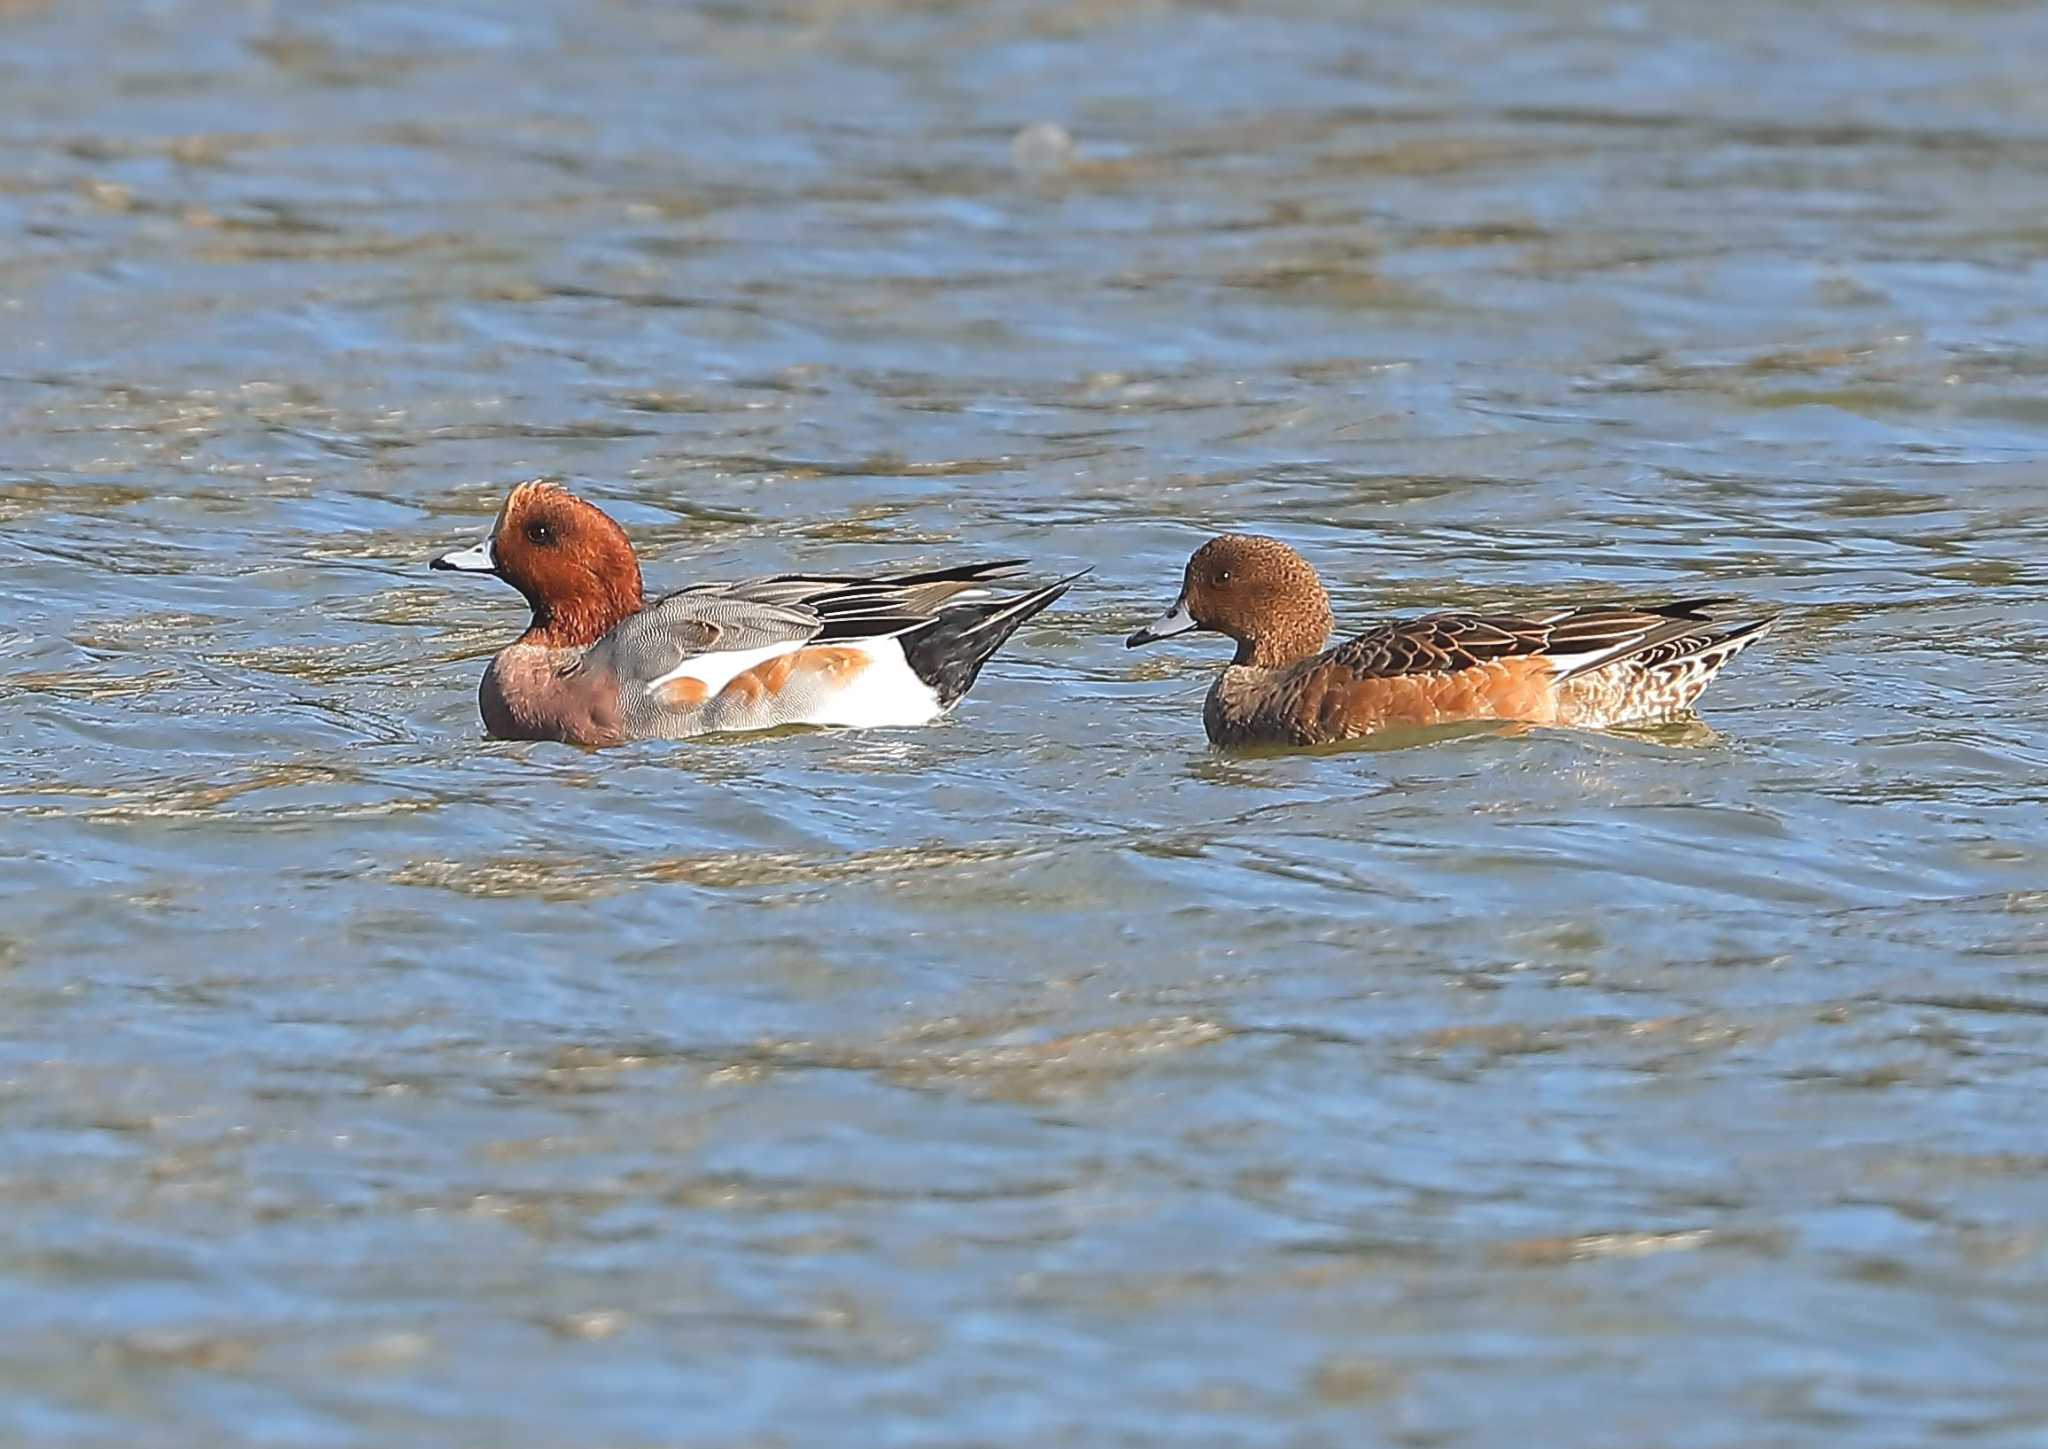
1572, 641
710, 633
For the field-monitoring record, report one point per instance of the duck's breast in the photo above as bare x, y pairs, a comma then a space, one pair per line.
534, 693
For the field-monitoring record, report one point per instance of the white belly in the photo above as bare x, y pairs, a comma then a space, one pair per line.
887, 692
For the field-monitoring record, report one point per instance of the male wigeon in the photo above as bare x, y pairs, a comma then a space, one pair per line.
597, 666
1593, 666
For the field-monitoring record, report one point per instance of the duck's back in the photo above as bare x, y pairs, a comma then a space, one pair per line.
799, 649
1590, 667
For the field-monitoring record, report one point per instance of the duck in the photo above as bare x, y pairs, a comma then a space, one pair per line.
598, 665
1590, 666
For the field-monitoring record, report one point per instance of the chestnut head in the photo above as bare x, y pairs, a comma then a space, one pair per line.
574, 565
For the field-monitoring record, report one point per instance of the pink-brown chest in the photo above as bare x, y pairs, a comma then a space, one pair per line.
530, 692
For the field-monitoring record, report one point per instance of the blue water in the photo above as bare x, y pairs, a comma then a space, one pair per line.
1041, 1077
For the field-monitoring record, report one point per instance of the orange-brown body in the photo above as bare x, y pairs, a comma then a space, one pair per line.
1590, 667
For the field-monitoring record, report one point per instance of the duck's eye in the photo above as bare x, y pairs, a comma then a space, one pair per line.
1223, 576
539, 533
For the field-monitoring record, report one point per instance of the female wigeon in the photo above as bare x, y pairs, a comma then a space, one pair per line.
1591, 667
598, 667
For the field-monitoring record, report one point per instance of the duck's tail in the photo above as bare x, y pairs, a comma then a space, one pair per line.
1667, 666
1687, 665
948, 651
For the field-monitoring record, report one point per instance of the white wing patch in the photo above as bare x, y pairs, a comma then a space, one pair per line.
1586, 661
720, 667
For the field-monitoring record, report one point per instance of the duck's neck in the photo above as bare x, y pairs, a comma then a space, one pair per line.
580, 620
1284, 645
1291, 627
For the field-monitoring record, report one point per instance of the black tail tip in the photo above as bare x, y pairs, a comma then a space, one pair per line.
948, 653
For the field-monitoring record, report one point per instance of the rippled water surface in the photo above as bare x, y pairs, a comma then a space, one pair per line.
1040, 1077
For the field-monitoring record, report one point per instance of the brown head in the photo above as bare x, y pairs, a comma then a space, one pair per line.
574, 565
1258, 591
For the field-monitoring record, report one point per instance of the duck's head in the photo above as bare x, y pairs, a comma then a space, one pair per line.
575, 566
1258, 591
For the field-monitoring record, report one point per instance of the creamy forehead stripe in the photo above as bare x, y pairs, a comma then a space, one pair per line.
532, 485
